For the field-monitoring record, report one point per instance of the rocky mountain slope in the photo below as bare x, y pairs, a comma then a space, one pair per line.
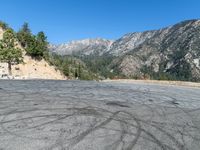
129, 41
174, 51
82, 47
30, 68
169, 53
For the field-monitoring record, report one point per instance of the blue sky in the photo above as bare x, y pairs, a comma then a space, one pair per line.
66, 20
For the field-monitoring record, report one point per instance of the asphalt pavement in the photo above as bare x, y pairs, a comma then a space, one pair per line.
88, 115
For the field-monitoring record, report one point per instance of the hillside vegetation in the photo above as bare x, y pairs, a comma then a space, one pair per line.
171, 53
25, 59
27, 56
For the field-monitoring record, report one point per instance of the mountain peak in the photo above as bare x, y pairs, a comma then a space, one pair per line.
85, 46
120, 46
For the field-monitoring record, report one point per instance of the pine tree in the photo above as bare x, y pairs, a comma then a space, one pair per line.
76, 73
8, 51
79, 70
3, 25
42, 43
33, 49
35, 46
24, 35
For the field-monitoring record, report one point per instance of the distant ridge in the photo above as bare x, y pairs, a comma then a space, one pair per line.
171, 53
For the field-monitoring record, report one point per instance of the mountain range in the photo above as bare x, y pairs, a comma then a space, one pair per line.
171, 53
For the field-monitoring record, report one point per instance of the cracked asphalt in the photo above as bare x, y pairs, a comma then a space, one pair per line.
87, 115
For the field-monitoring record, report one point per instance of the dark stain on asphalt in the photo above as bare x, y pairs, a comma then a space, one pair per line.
120, 104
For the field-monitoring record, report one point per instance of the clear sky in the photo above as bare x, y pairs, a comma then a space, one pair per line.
66, 20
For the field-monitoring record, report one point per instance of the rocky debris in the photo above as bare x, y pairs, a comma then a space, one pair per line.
3, 70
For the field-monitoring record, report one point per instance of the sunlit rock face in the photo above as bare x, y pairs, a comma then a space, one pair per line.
82, 47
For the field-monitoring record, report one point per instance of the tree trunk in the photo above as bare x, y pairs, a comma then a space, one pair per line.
10, 68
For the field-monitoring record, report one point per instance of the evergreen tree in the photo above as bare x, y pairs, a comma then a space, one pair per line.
24, 35
3, 25
41, 37
35, 46
25, 28
76, 73
79, 70
42, 42
8, 51
33, 49
65, 69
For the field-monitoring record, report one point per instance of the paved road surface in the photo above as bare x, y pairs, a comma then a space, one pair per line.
80, 115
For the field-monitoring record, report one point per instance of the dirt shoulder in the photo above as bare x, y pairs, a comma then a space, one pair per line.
176, 83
